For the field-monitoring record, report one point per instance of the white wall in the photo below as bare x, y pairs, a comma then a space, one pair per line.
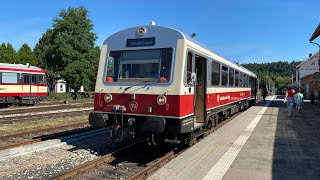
309, 66
61, 87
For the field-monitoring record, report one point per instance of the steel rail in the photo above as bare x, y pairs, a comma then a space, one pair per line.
45, 137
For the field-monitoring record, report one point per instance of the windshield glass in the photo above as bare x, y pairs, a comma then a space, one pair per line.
152, 65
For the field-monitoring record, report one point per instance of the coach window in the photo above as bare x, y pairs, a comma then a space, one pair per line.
41, 80
34, 79
0, 77
9, 77
189, 67
251, 81
245, 81
215, 78
241, 79
236, 78
231, 77
26, 78
224, 75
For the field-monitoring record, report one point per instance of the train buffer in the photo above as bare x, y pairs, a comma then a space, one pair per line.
261, 143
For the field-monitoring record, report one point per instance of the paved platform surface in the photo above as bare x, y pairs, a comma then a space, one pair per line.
261, 143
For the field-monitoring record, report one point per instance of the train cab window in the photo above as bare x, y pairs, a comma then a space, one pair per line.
9, 77
236, 78
224, 75
189, 67
231, 77
215, 76
152, 65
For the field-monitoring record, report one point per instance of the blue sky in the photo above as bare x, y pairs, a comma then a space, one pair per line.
245, 31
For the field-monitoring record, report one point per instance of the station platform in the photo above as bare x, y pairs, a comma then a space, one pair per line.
261, 143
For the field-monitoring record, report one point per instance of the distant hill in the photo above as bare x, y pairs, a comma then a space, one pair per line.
273, 69
279, 72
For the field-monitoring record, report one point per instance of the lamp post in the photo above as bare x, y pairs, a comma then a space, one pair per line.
319, 68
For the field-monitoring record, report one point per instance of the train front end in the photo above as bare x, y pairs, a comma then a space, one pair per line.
138, 86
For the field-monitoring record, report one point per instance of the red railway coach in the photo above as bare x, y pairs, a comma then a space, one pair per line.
160, 83
21, 84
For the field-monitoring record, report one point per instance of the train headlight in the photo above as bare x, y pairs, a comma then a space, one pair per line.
142, 31
161, 100
108, 98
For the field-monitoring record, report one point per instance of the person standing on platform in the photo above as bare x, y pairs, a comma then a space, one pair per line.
298, 98
264, 94
289, 99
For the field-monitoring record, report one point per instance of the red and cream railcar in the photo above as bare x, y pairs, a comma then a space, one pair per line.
21, 84
161, 83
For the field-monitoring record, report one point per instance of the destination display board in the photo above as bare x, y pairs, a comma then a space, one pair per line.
141, 42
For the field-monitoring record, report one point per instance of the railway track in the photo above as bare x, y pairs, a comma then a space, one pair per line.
62, 138
29, 137
133, 162
24, 110
45, 115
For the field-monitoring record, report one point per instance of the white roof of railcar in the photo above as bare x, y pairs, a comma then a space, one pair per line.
20, 67
170, 33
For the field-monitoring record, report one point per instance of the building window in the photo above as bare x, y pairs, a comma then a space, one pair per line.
215, 78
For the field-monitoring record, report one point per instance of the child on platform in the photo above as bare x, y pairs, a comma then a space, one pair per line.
298, 98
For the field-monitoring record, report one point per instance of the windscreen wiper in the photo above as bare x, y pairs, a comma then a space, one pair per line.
136, 84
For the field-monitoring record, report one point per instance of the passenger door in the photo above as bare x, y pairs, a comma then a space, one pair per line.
200, 89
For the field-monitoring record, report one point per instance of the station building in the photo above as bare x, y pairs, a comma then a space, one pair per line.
305, 75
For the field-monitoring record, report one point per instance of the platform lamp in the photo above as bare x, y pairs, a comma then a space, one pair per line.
317, 75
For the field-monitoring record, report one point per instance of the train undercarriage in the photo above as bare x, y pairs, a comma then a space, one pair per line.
159, 130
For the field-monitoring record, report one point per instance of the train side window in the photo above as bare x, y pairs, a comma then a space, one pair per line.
189, 67
41, 80
231, 77
245, 81
236, 78
241, 80
224, 75
215, 77
26, 78
0, 77
8, 77
34, 79
251, 81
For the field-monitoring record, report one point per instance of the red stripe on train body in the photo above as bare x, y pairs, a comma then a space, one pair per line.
177, 105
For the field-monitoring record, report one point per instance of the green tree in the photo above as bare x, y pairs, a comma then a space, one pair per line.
77, 73
3, 48
68, 49
41, 50
8, 54
27, 56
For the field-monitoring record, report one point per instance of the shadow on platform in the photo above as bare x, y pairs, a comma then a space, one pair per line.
296, 153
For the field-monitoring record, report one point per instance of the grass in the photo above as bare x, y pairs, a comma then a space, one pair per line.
64, 96
41, 124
